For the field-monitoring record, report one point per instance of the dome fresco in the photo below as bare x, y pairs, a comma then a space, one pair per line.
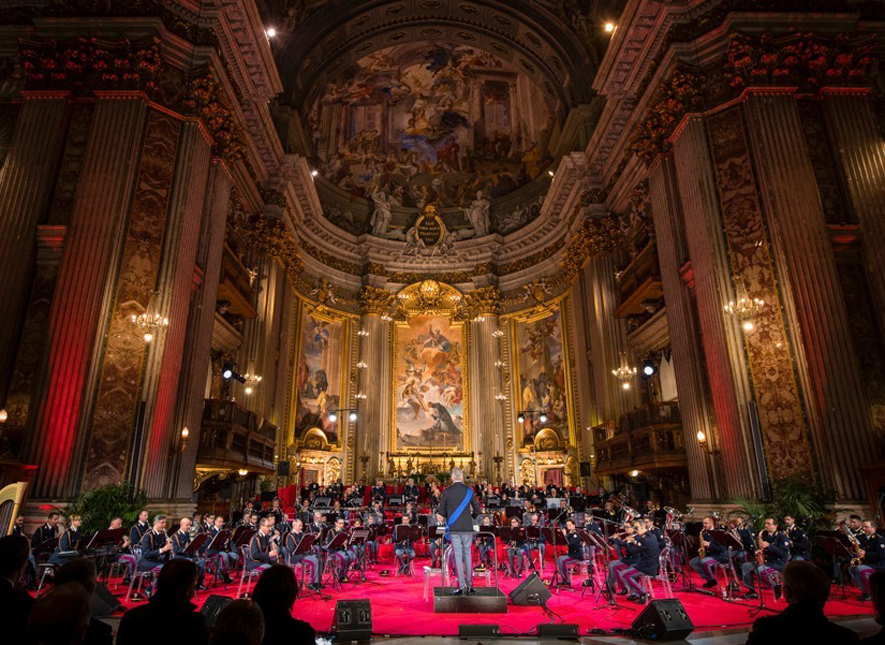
427, 122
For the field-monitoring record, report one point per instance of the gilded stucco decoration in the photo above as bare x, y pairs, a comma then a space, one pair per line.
375, 301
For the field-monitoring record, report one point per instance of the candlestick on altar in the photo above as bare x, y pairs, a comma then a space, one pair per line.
498, 459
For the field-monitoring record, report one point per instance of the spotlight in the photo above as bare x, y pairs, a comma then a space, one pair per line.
271, 32
228, 371
609, 27
550, 172
352, 416
648, 368
521, 417
634, 473
333, 417
543, 418
314, 173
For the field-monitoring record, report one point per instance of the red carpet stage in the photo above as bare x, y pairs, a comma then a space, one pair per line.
398, 608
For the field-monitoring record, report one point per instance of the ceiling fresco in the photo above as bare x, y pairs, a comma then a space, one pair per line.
430, 122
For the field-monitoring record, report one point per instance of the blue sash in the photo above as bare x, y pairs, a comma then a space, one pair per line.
458, 511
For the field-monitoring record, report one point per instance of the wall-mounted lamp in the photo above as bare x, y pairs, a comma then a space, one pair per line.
243, 472
182, 440
4, 415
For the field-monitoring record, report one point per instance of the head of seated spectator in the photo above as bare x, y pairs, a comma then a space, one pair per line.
60, 617
276, 590
805, 583
239, 623
14, 551
79, 570
877, 593
177, 581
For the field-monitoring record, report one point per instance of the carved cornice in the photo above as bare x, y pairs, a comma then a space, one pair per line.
597, 236
373, 300
485, 300
203, 99
273, 237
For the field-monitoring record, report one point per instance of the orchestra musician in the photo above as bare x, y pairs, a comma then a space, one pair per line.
180, 540
775, 549
574, 555
343, 555
262, 552
434, 546
404, 551
410, 491
536, 544
871, 556
155, 546
293, 539
379, 492
375, 518
654, 531
18, 527
516, 552
626, 560
196, 525
225, 558
710, 555
854, 526
410, 511
318, 523
68, 542
48, 531
800, 545
117, 555
645, 548
485, 544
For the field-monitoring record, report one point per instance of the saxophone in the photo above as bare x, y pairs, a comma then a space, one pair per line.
702, 552
856, 548
760, 551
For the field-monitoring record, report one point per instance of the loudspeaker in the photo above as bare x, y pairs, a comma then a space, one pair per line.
212, 607
104, 603
531, 591
352, 620
585, 469
552, 630
478, 631
663, 620
283, 468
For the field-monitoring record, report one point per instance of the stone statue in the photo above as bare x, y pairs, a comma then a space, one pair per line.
478, 214
414, 243
381, 216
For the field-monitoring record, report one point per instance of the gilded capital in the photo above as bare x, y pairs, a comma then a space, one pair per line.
374, 300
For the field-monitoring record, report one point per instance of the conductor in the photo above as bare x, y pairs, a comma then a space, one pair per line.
458, 508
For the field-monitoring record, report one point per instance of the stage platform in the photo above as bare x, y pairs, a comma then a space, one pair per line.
399, 609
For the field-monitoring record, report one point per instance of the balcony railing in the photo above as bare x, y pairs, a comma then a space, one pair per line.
648, 438
231, 438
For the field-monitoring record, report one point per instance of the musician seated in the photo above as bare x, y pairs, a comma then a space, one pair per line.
358, 550
800, 545
375, 518
575, 553
225, 557
626, 560
180, 540
806, 589
516, 552
713, 555
155, 546
318, 523
141, 526
410, 511
854, 527
485, 544
118, 554
49, 530
404, 551
871, 557
410, 491
645, 547
379, 492
262, 552
68, 542
538, 544
775, 551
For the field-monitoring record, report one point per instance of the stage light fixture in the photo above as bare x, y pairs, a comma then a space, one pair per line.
314, 173
550, 172
648, 368
352, 416
634, 473
271, 32
609, 27
228, 371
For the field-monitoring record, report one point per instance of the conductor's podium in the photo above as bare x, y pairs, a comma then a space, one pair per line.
486, 600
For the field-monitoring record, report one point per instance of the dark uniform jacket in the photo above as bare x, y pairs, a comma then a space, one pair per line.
451, 498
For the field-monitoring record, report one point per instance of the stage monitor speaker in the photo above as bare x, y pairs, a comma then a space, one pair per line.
531, 591
663, 620
478, 631
212, 607
283, 468
104, 603
555, 630
585, 469
352, 620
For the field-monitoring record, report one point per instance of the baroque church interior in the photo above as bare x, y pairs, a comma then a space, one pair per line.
256, 246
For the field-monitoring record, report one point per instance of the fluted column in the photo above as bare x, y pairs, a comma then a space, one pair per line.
485, 382
607, 340
201, 319
26, 180
740, 456
688, 362
84, 291
175, 282
812, 295
374, 381
860, 147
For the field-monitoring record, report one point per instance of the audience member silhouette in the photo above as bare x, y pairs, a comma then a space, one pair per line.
170, 609
60, 617
15, 603
82, 571
806, 589
239, 623
877, 593
275, 593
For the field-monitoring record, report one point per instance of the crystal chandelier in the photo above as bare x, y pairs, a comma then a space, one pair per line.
250, 380
625, 373
150, 322
744, 308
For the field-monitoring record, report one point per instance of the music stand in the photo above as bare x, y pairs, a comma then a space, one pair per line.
322, 502
217, 544
835, 544
549, 534
306, 545
590, 539
732, 546
493, 501
193, 547
357, 542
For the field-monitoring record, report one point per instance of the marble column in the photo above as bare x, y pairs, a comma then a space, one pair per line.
26, 181
175, 285
201, 319
739, 452
485, 383
811, 293
84, 293
860, 147
688, 361
374, 422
